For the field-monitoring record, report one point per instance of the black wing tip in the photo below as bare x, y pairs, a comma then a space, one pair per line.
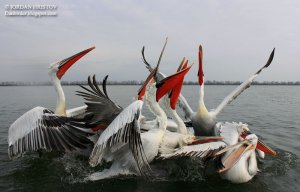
270, 58
104, 83
105, 78
143, 49
148, 66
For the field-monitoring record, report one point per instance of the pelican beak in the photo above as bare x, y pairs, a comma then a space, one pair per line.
142, 90
165, 85
236, 154
261, 145
200, 70
65, 64
200, 140
174, 94
152, 76
265, 148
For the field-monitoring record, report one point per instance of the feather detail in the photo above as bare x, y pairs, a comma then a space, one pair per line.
40, 128
124, 128
203, 151
241, 88
98, 103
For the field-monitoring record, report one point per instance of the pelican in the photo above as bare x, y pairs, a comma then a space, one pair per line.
245, 168
236, 156
168, 102
180, 137
122, 142
40, 128
203, 120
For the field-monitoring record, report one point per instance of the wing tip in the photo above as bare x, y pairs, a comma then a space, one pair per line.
270, 58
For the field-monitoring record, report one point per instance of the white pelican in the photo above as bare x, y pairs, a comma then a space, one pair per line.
40, 128
179, 135
245, 168
122, 142
203, 120
239, 164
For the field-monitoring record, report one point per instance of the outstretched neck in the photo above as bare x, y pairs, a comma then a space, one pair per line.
202, 110
61, 100
181, 126
155, 108
160, 116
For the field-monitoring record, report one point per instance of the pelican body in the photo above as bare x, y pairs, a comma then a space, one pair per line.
246, 167
42, 129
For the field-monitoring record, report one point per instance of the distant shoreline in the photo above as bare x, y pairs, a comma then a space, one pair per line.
66, 83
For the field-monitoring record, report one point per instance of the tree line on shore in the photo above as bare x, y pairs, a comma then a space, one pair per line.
134, 82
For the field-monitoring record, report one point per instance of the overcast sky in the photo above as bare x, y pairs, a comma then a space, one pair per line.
237, 37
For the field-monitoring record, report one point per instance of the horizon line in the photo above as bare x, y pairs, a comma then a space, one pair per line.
136, 82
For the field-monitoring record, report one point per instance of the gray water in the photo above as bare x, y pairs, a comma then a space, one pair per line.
272, 112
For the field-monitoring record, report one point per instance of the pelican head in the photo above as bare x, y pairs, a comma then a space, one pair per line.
244, 162
57, 71
261, 148
60, 68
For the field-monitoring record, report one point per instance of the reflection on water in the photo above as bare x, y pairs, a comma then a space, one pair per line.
272, 112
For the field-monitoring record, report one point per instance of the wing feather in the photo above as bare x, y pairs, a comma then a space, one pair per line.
103, 109
202, 151
124, 128
229, 131
40, 128
241, 88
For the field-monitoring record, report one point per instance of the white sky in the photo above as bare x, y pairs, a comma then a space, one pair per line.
237, 37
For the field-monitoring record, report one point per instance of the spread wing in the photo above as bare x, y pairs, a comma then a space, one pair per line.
40, 128
124, 128
98, 103
202, 151
241, 88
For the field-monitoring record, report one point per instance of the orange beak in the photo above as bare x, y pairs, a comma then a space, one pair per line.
165, 85
142, 90
261, 145
174, 95
65, 64
235, 155
200, 71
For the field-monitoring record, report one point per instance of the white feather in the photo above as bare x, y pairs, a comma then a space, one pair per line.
76, 111
200, 150
125, 117
24, 124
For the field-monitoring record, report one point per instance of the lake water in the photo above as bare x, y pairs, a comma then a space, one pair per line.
272, 112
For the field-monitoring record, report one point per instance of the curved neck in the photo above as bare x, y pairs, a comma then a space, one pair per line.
252, 167
61, 101
181, 126
160, 115
155, 108
201, 106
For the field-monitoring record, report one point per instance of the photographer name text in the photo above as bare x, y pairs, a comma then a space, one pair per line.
37, 10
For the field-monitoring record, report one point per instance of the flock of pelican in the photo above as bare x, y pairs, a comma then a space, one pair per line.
104, 131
